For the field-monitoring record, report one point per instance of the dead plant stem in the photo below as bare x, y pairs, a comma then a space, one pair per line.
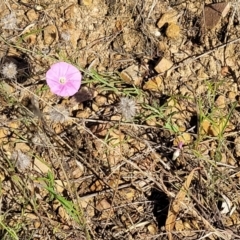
194, 58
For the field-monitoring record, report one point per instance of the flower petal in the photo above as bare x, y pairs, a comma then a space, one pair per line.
72, 75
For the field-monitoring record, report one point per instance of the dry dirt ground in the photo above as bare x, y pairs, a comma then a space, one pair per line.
148, 148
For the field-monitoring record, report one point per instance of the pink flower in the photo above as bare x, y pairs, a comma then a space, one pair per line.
63, 79
180, 145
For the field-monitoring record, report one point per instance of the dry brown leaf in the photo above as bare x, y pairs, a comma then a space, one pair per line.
163, 65
173, 31
105, 208
40, 166
84, 94
32, 15
225, 70
184, 138
154, 84
31, 39
3, 134
221, 102
60, 185
131, 75
213, 13
50, 34
204, 127
237, 146
218, 127
215, 128
152, 229
179, 225
175, 205
103, 205
97, 186
168, 17
70, 12
83, 113
86, 2
128, 193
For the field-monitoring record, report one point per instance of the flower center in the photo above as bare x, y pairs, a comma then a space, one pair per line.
62, 80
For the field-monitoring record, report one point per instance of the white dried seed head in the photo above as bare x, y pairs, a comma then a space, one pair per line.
176, 154
65, 36
10, 21
127, 107
226, 205
46, 50
22, 160
39, 139
9, 70
59, 114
